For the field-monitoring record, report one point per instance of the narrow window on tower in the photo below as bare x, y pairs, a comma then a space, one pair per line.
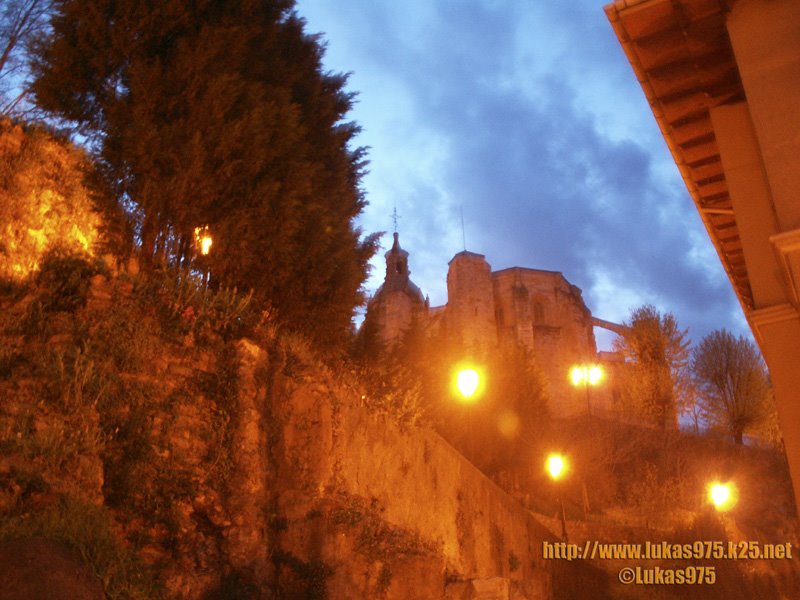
538, 312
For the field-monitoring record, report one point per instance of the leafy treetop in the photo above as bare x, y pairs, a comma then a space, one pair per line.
656, 354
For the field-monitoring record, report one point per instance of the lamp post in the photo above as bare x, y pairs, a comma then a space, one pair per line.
586, 375
203, 241
556, 469
467, 384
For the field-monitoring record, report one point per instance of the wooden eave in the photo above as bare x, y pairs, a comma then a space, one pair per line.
682, 57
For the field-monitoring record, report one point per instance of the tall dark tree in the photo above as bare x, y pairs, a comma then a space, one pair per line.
733, 381
654, 377
218, 114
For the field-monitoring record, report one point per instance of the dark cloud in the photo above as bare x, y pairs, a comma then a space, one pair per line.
529, 119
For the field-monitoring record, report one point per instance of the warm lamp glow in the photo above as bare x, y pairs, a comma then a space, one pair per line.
586, 375
722, 495
203, 239
205, 245
556, 466
467, 381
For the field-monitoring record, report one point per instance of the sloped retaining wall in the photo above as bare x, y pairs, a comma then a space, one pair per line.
341, 470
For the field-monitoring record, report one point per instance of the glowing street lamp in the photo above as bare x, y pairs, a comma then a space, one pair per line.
468, 383
557, 467
723, 496
205, 245
203, 239
586, 375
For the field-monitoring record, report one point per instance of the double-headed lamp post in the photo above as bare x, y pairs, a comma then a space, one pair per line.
556, 468
586, 375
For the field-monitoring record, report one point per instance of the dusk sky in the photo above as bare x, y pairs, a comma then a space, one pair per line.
526, 116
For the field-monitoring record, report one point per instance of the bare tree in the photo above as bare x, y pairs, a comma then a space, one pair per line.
653, 378
733, 382
691, 406
20, 22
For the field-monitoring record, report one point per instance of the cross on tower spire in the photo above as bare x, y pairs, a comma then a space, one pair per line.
395, 217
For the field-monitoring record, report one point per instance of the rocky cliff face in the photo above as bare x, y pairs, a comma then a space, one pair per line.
115, 435
182, 465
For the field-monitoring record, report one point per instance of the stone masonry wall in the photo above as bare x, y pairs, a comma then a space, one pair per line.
395, 311
545, 303
470, 301
393, 513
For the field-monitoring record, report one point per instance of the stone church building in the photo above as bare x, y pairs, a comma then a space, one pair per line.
539, 310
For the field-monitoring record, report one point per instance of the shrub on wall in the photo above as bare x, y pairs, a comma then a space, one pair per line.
43, 200
185, 305
90, 531
64, 279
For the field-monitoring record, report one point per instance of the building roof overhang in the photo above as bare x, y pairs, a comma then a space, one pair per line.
682, 56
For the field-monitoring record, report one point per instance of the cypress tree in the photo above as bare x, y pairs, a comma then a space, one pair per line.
219, 114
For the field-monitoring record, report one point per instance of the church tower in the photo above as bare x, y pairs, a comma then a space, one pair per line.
470, 300
398, 301
397, 273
